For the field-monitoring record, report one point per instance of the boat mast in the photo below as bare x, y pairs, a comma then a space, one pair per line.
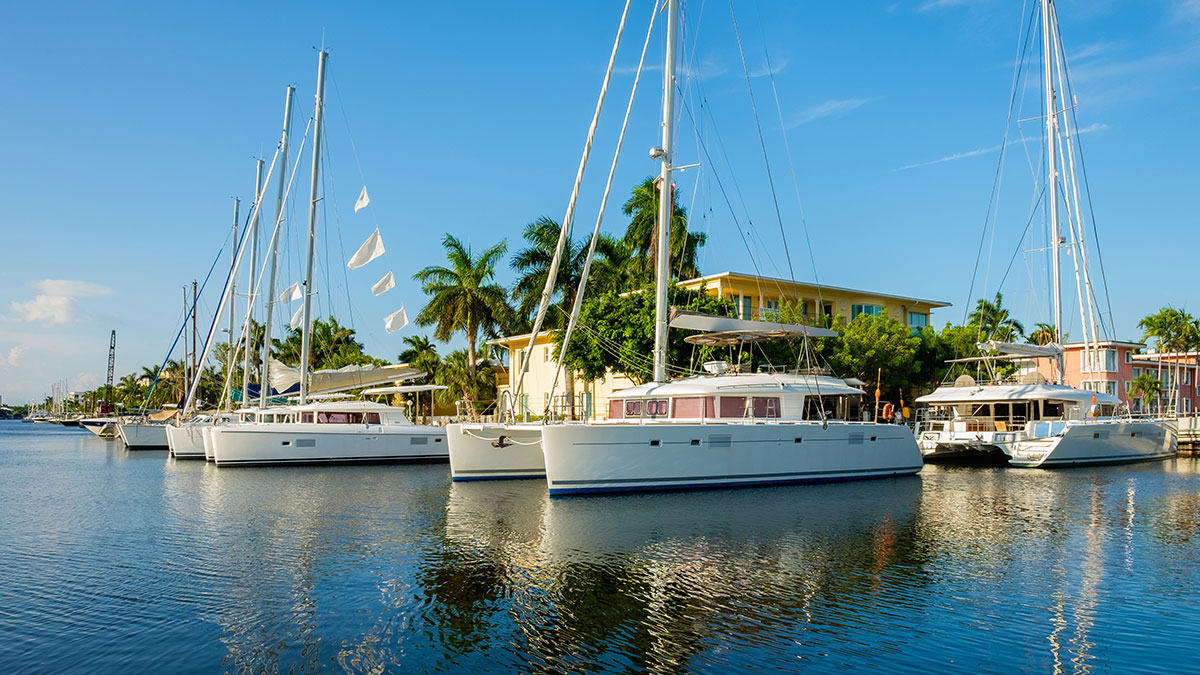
195, 346
186, 360
265, 384
665, 198
258, 194
306, 328
1052, 183
231, 351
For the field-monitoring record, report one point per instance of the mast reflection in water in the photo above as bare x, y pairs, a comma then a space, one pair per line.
126, 561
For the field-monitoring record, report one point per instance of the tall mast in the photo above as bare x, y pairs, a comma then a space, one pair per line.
265, 384
258, 195
186, 360
1052, 181
231, 351
305, 329
195, 346
665, 200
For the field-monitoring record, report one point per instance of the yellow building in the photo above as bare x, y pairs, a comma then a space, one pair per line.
755, 297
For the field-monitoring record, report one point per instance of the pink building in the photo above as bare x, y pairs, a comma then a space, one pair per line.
1117, 363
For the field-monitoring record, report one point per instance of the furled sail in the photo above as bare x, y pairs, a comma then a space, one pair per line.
350, 377
1018, 349
742, 330
371, 249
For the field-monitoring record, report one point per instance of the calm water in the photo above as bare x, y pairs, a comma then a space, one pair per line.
133, 562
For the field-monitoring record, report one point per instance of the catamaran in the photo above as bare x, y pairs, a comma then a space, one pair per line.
1034, 424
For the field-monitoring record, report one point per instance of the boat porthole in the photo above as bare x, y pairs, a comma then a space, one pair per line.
655, 443
799, 440
695, 441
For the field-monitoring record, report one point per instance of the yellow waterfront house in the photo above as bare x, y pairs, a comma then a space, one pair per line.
754, 297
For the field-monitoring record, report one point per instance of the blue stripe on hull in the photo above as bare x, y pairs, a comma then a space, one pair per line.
423, 459
559, 492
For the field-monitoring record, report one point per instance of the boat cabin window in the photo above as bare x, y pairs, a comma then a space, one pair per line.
657, 408
766, 407
1052, 409
339, 418
733, 406
633, 408
692, 407
760, 407
306, 417
372, 418
616, 409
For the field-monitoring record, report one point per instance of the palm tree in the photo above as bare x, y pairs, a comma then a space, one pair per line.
465, 382
1147, 387
1175, 331
421, 352
642, 233
1042, 334
463, 296
994, 321
331, 345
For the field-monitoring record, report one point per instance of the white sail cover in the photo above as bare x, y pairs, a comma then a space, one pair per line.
1018, 349
297, 318
387, 283
396, 320
350, 377
371, 249
363, 200
291, 294
723, 324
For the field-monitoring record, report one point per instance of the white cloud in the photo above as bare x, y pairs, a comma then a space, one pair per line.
1187, 10
13, 358
941, 4
56, 301
829, 108
1094, 126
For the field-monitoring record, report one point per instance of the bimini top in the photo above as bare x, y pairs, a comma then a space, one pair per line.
1000, 393
742, 384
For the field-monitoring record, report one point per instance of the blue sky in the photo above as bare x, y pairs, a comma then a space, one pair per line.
130, 128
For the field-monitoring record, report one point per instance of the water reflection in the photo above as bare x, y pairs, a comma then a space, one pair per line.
118, 562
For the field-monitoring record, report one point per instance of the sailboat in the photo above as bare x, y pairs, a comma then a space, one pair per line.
333, 430
722, 428
1034, 423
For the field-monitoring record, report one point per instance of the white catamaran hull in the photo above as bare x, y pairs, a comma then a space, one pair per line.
590, 458
495, 451
143, 436
187, 441
1115, 442
102, 427
256, 444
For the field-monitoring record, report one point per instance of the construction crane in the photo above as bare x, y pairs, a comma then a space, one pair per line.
106, 406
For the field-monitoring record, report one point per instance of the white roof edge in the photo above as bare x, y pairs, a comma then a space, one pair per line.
710, 277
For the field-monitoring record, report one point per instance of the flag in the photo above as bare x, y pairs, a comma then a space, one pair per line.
297, 318
371, 249
363, 200
291, 294
396, 320
387, 283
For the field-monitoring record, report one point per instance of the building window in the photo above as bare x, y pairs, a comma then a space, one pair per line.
1187, 405
917, 322
1128, 356
1110, 360
872, 310
520, 359
745, 308
1187, 377
1128, 384
769, 311
1137, 371
524, 404
585, 399
1092, 359
804, 308
546, 355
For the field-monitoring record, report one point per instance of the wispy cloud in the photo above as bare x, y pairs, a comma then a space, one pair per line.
777, 67
830, 108
56, 302
1095, 126
1187, 10
13, 358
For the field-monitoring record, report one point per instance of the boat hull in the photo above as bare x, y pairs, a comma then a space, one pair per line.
104, 428
143, 436
266, 444
495, 451
187, 441
596, 458
1092, 443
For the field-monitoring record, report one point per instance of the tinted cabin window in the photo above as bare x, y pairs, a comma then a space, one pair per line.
1052, 409
733, 406
306, 417
372, 418
657, 408
616, 409
693, 407
766, 407
633, 408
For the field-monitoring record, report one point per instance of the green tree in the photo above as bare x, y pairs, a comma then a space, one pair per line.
464, 297
994, 321
1148, 388
421, 352
876, 347
332, 345
642, 233
619, 333
474, 384
1042, 334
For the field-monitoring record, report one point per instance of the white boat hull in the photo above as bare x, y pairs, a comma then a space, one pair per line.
1115, 442
104, 428
263, 444
495, 451
206, 439
592, 458
187, 441
143, 436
